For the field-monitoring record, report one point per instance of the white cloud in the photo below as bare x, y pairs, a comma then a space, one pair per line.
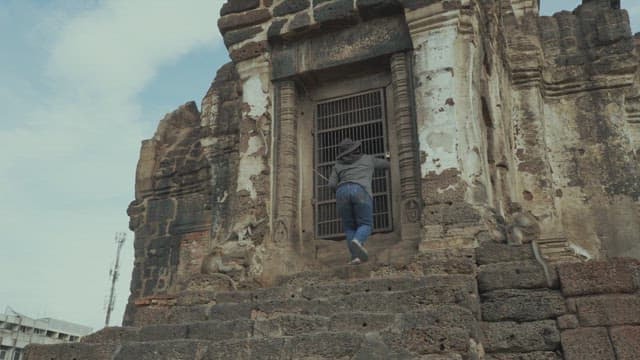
111, 48
70, 135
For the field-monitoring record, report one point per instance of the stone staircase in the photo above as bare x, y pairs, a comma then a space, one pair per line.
494, 302
364, 312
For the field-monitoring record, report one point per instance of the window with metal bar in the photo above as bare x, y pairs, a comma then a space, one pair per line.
359, 117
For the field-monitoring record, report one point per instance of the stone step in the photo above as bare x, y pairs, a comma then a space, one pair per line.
314, 298
373, 301
289, 325
317, 290
408, 342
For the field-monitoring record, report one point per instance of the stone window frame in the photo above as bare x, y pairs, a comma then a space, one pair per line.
291, 210
310, 96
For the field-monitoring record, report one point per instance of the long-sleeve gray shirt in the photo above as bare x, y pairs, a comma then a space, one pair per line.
358, 171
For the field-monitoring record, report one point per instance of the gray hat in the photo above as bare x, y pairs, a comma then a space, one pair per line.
347, 146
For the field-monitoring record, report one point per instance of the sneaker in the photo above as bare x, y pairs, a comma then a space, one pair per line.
355, 261
360, 250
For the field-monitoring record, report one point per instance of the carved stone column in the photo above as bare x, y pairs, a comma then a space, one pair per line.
453, 174
405, 131
286, 172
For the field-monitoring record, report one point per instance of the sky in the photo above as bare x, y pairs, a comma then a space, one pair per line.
82, 83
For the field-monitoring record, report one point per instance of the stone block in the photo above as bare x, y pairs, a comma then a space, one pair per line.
248, 51
448, 262
237, 36
165, 350
111, 334
512, 275
520, 337
416, 4
377, 8
160, 210
490, 252
439, 315
70, 351
598, 277
225, 312
535, 355
626, 342
221, 330
275, 29
324, 346
360, 322
607, 310
587, 343
366, 40
162, 332
335, 12
290, 6
571, 305
522, 305
187, 314
301, 22
290, 325
388, 285
262, 348
191, 215
236, 6
569, 321
237, 21
424, 340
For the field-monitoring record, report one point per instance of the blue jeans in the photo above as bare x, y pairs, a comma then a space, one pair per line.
355, 208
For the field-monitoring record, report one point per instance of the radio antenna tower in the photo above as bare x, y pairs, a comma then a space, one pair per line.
113, 274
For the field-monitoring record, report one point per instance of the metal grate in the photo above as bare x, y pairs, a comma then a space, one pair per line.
359, 117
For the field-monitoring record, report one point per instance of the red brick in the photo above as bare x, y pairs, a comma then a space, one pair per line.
587, 343
626, 342
599, 277
608, 310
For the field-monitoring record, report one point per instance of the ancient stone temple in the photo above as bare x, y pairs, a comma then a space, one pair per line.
506, 228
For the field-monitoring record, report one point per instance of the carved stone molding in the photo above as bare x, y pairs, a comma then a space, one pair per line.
404, 128
441, 15
286, 172
405, 131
